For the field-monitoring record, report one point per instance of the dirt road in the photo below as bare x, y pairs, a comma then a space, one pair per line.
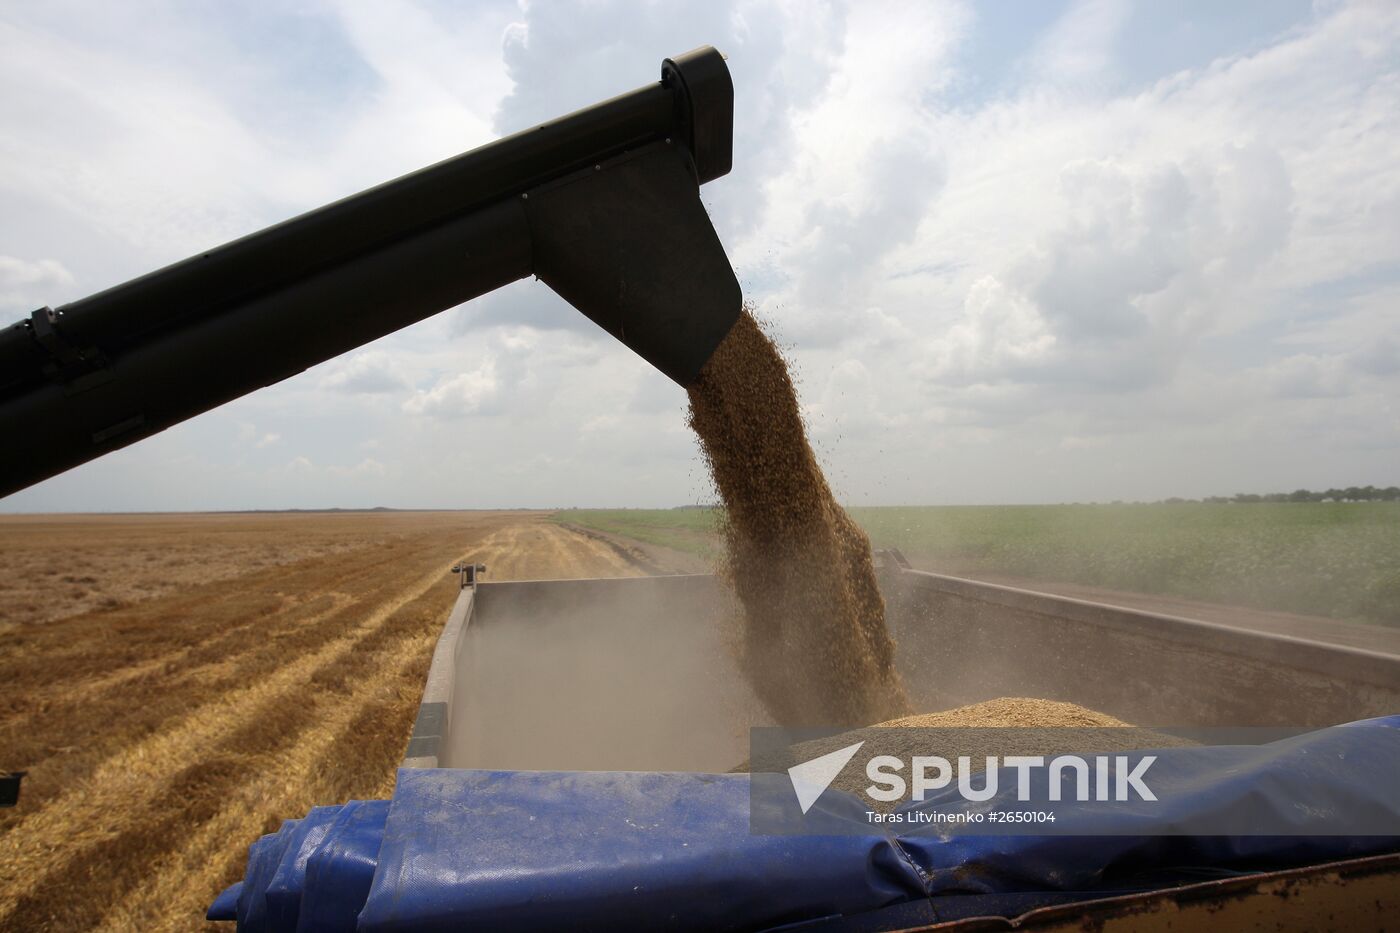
164, 734
543, 550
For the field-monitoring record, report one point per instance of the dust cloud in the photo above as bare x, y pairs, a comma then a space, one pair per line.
616, 675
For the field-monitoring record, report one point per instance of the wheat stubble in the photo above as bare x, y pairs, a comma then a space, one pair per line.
814, 642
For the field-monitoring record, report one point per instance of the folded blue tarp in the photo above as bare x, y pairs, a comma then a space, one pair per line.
503, 850
304, 881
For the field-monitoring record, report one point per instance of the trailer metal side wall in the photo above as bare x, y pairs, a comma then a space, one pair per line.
641, 674
962, 641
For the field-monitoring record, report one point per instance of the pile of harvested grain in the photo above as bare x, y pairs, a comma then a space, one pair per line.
1007, 712
814, 643
1001, 727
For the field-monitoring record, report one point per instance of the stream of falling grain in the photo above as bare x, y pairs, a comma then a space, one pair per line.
815, 646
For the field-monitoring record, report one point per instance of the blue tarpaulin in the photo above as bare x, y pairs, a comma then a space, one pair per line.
519, 850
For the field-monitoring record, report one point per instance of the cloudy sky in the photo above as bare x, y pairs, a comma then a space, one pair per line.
1021, 252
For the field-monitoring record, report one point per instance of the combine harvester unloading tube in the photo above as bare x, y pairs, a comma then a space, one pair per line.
517, 809
602, 205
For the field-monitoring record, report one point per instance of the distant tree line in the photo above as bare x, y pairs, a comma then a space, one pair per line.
1350, 494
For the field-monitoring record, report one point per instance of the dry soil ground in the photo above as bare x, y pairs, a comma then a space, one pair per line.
178, 684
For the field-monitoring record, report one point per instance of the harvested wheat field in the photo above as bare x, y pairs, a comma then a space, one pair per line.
176, 685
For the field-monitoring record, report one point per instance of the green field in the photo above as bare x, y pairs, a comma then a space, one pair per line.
1332, 559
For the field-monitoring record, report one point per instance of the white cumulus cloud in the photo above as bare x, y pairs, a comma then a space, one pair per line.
457, 396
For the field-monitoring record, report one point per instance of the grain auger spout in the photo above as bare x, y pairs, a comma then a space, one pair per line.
602, 205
